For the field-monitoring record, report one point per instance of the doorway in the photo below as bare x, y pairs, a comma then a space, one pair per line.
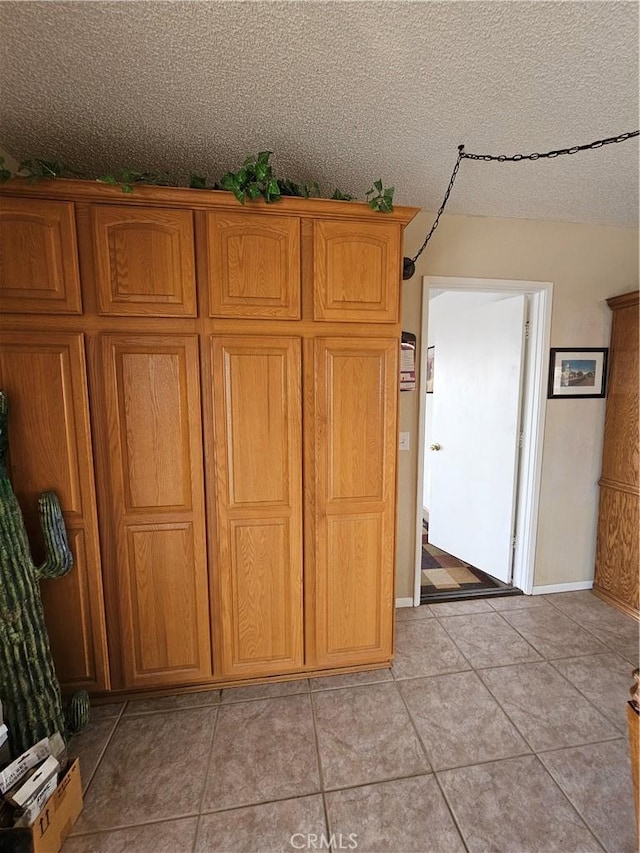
481, 420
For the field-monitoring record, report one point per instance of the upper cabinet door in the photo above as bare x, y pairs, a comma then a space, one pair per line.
38, 257
144, 261
254, 265
357, 271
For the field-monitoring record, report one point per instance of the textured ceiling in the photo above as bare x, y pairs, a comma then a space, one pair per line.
342, 92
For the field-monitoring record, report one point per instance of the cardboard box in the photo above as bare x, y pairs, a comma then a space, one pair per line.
54, 823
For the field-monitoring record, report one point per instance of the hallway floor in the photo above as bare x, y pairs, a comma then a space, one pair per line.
500, 727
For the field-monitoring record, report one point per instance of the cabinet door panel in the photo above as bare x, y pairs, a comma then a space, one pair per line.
144, 261
350, 602
38, 257
50, 449
258, 483
155, 483
254, 265
357, 271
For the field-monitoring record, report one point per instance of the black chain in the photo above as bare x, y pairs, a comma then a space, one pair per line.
409, 263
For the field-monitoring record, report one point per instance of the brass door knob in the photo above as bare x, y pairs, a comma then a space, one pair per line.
435, 447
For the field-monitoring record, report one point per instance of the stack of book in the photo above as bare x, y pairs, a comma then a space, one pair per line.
27, 783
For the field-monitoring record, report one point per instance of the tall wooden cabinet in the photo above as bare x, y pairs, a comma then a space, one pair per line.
212, 391
617, 552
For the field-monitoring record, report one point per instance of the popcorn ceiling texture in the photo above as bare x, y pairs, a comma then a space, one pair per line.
342, 92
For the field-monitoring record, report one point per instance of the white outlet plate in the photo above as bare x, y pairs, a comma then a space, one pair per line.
405, 444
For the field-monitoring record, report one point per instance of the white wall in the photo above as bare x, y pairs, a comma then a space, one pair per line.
587, 264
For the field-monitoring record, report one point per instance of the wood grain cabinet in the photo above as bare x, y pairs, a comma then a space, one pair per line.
44, 377
617, 553
254, 265
357, 269
144, 261
38, 257
218, 415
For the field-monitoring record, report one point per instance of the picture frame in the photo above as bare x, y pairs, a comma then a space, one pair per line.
431, 351
577, 372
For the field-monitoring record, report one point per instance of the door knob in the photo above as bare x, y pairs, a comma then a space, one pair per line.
435, 447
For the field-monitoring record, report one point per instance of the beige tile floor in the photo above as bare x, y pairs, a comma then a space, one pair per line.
501, 727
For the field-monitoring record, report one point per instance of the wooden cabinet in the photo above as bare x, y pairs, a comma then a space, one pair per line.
153, 477
144, 261
257, 411
242, 392
617, 553
354, 451
254, 265
357, 269
38, 257
44, 377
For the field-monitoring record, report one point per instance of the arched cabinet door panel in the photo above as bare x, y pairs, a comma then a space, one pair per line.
43, 374
144, 261
254, 265
38, 257
357, 271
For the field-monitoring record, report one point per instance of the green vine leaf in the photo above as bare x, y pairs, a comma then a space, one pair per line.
380, 198
5, 174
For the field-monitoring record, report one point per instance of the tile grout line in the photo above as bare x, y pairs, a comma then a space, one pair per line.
104, 749
325, 809
433, 772
584, 696
206, 775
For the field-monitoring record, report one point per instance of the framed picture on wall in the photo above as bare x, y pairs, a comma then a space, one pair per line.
577, 372
430, 357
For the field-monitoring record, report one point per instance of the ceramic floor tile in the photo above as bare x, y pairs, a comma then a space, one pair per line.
459, 721
548, 711
604, 679
174, 836
274, 827
407, 614
350, 679
424, 648
89, 745
106, 712
365, 735
611, 626
461, 608
262, 750
403, 816
154, 768
514, 806
486, 639
597, 780
552, 633
517, 602
173, 703
265, 691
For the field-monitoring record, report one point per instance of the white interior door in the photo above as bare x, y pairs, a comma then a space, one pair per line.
476, 415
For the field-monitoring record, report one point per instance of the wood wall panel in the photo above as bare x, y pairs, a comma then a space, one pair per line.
44, 377
38, 257
617, 553
144, 261
254, 265
357, 271
351, 604
155, 486
257, 415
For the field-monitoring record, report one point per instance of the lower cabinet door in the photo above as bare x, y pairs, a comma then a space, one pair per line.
156, 571
44, 377
257, 481
350, 471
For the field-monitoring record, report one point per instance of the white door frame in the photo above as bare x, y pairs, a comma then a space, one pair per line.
533, 415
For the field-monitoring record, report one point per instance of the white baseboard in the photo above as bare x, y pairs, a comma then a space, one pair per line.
561, 587
404, 602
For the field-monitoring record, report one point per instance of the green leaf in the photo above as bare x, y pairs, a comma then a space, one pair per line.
126, 188
5, 175
378, 185
108, 179
197, 182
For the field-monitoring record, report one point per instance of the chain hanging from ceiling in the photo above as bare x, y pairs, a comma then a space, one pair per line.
409, 264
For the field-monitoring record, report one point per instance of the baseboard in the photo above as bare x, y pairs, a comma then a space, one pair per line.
404, 602
561, 587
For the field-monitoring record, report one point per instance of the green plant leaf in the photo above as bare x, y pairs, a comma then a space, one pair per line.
108, 179
197, 182
338, 195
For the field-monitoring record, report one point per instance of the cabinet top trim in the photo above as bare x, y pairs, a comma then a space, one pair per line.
94, 191
625, 300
